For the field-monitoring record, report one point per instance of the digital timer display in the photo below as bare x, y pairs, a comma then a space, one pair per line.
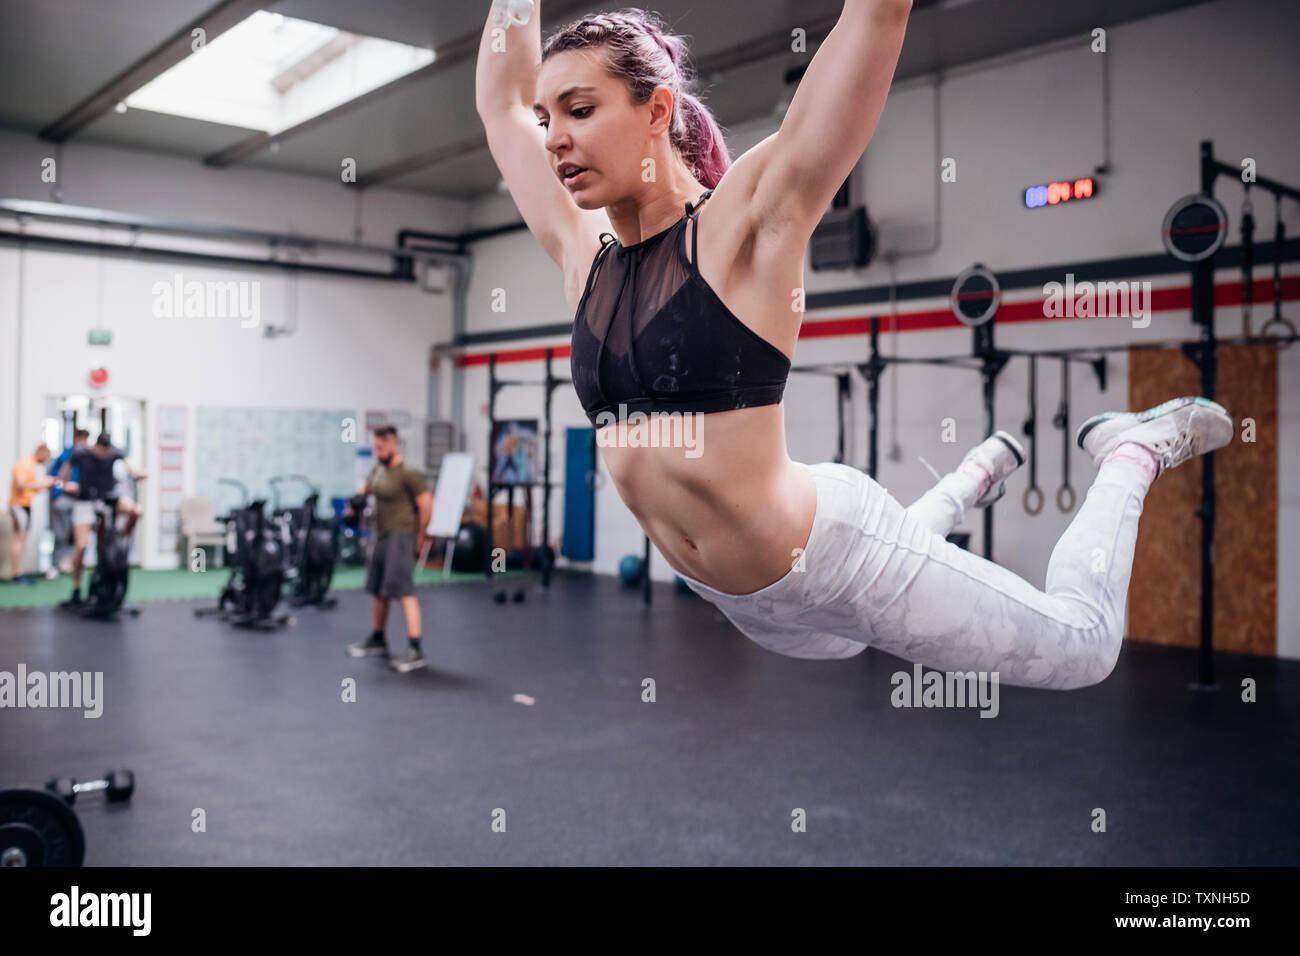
1053, 194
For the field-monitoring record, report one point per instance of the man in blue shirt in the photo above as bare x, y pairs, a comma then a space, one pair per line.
61, 508
95, 464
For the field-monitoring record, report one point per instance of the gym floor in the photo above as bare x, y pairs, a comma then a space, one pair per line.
251, 727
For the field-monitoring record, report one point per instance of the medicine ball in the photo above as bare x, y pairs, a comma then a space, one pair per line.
471, 548
629, 569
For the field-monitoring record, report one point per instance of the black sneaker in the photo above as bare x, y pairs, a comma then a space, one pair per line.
373, 646
412, 660
74, 601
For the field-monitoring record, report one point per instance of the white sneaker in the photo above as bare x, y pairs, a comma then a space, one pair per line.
1175, 431
998, 456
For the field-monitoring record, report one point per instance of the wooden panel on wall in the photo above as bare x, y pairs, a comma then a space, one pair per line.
1165, 595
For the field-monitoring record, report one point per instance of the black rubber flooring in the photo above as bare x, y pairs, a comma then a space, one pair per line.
251, 727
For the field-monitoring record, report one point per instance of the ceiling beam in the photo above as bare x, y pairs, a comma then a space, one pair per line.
156, 62
423, 160
314, 62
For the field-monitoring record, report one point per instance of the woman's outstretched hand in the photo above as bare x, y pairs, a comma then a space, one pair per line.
511, 13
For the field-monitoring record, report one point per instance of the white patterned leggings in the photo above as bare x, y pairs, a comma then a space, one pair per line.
876, 574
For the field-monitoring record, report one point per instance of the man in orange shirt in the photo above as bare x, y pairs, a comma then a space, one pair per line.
22, 489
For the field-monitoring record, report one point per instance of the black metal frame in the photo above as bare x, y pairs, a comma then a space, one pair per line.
1202, 352
984, 358
843, 392
1204, 355
550, 383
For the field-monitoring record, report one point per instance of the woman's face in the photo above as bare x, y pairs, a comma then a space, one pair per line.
594, 127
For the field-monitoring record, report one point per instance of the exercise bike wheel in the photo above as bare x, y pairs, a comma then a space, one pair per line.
321, 581
266, 597
106, 595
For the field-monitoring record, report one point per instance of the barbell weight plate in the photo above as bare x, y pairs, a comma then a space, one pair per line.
62, 842
1194, 228
20, 845
975, 296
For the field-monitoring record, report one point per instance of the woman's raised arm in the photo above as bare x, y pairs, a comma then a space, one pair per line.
832, 116
504, 87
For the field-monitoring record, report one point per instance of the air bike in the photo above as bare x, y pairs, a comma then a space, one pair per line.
255, 555
309, 544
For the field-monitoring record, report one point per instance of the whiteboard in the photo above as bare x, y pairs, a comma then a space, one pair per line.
252, 444
449, 497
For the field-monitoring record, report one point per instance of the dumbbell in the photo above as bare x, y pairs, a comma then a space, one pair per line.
117, 784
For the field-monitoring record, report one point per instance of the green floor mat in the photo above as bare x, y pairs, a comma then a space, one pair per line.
180, 585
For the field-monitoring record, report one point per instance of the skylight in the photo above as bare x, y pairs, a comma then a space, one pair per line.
271, 72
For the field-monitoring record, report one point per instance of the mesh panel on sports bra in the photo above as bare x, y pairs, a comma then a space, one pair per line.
659, 274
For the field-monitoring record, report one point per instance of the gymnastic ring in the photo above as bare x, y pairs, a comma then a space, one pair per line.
594, 479
1029, 494
1061, 493
1285, 323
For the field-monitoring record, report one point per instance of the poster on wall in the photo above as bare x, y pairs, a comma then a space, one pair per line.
514, 451
171, 426
171, 475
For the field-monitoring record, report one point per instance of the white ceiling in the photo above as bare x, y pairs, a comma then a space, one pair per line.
55, 53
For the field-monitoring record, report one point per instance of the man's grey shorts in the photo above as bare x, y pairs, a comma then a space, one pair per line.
22, 518
392, 566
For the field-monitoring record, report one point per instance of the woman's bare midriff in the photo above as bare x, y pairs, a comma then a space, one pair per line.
736, 515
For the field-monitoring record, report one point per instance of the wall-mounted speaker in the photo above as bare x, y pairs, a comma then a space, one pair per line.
843, 239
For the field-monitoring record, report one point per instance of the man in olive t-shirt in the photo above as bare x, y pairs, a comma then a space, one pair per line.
403, 504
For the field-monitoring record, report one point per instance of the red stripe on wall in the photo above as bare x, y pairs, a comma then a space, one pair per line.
514, 355
1170, 299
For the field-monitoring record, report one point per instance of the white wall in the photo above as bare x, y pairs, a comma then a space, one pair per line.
360, 343
181, 188
1223, 71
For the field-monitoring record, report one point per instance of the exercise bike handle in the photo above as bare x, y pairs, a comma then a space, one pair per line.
281, 479
236, 483
275, 492
308, 482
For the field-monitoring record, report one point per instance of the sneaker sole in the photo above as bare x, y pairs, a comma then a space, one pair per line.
374, 653
1134, 423
407, 668
1138, 418
1017, 449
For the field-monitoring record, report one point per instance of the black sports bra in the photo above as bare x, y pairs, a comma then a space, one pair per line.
651, 335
